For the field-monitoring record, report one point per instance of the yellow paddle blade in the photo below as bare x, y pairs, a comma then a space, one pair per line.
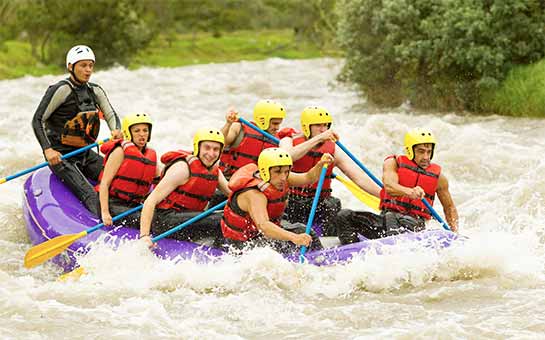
73, 275
49, 249
365, 197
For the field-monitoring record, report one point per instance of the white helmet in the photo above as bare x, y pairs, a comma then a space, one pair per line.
78, 53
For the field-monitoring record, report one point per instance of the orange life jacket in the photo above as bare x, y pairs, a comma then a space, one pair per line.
306, 163
237, 224
195, 194
246, 152
411, 175
133, 179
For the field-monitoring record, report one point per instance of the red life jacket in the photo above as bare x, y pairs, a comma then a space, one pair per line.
410, 175
237, 224
133, 179
246, 152
195, 194
306, 163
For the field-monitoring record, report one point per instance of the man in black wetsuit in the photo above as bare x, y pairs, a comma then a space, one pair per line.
68, 119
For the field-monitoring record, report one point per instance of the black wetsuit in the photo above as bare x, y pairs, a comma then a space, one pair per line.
61, 102
350, 223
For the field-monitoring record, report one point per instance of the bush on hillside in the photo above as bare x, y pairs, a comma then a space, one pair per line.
115, 29
437, 54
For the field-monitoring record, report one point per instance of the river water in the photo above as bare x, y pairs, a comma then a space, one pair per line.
492, 286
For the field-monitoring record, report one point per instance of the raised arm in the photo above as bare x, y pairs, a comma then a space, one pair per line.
298, 151
232, 128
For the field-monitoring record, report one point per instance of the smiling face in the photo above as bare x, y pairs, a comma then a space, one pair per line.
82, 70
279, 176
140, 134
422, 154
209, 152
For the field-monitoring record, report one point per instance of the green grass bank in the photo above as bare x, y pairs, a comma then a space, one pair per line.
172, 50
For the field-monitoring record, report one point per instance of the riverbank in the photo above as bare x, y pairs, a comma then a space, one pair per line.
175, 50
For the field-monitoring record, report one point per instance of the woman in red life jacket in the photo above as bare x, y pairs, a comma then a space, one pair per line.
306, 149
258, 199
129, 169
243, 144
407, 179
188, 182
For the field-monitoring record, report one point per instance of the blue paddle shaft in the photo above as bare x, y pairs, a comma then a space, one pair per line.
41, 165
264, 133
116, 218
188, 222
313, 210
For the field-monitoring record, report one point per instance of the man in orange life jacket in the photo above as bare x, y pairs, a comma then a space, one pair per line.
243, 144
67, 118
188, 183
306, 149
407, 179
130, 167
256, 205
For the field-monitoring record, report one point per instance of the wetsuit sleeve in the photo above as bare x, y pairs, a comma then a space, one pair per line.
109, 114
54, 97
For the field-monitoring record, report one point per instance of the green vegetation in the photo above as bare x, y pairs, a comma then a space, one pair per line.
241, 45
16, 59
437, 54
521, 94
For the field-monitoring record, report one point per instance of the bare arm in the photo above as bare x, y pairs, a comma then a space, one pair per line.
115, 159
231, 129
222, 184
176, 175
255, 203
391, 182
298, 151
343, 162
451, 213
311, 176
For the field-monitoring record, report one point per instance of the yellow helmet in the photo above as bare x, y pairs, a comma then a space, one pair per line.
269, 158
418, 136
207, 134
133, 119
314, 115
265, 110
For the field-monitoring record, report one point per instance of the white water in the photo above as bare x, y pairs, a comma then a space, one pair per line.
491, 287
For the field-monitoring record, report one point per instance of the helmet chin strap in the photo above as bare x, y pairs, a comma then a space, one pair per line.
74, 74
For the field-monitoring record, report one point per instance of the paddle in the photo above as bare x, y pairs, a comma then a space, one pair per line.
53, 247
313, 209
364, 197
376, 180
41, 165
76, 273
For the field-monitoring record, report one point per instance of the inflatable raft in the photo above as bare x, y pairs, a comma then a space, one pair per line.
51, 210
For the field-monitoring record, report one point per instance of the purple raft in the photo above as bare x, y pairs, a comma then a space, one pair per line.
51, 210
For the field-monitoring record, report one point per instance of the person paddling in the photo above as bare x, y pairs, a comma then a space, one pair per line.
252, 216
407, 180
306, 148
185, 189
67, 119
130, 166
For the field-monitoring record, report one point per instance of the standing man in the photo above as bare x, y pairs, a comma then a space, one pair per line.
306, 149
68, 119
257, 202
407, 180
